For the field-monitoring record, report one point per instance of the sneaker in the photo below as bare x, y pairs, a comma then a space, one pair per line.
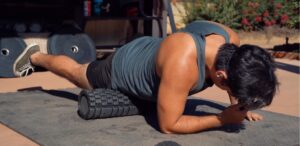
22, 66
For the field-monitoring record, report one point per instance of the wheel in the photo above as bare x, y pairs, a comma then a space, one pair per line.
72, 42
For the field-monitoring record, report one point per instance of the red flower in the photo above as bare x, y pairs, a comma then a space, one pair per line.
278, 6
273, 21
253, 4
268, 23
250, 4
266, 13
258, 19
284, 18
245, 21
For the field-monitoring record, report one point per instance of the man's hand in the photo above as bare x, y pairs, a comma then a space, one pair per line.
251, 116
233, 115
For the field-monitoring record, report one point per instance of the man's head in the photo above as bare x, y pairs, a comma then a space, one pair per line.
247, 73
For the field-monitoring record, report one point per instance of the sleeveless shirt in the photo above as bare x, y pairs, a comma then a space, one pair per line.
134, 64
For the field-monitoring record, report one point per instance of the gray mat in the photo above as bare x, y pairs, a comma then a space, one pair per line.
50, 118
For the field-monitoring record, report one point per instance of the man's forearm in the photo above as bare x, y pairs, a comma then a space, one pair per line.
191, 124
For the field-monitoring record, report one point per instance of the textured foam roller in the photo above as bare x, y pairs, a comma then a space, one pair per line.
104, 103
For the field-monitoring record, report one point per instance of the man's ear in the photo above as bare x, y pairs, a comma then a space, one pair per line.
221, 74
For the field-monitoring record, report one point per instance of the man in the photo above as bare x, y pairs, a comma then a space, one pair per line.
169, 69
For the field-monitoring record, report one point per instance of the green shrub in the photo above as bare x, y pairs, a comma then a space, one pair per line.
292, 9
245, 14
212, 10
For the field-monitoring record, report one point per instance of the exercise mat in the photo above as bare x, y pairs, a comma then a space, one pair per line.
49, 117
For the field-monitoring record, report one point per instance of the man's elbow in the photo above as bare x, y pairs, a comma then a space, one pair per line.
167, 129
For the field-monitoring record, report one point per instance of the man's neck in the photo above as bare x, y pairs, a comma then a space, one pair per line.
213, 43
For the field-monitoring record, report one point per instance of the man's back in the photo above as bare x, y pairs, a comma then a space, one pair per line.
134, 67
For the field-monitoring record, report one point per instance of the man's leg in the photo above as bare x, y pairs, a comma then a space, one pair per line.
64, 67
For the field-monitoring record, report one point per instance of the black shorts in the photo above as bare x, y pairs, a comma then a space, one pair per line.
99, 73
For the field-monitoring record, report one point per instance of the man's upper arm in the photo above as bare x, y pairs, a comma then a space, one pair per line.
179, 73
173, 91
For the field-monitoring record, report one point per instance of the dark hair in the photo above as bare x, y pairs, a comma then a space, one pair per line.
251, 73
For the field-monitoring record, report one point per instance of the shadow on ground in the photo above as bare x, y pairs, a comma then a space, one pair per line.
196, 107
287, 67
57, 93
287, 48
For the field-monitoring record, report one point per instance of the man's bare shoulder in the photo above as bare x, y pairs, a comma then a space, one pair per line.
234, 38
176, 50
179, 37
178, 44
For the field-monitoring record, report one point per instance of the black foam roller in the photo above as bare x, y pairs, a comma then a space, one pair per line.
104, 103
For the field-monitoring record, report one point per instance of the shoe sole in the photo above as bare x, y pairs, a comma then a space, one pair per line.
24, 56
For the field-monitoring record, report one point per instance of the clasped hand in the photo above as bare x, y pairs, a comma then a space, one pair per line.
233, 115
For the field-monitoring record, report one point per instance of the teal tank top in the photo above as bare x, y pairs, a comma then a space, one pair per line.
133, 65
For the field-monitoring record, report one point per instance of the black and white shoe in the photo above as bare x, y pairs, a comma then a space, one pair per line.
22, 66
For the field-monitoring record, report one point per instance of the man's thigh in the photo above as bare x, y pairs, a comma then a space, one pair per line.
98, 73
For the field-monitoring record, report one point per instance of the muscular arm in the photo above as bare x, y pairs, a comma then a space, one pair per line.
179, 73
172, 96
